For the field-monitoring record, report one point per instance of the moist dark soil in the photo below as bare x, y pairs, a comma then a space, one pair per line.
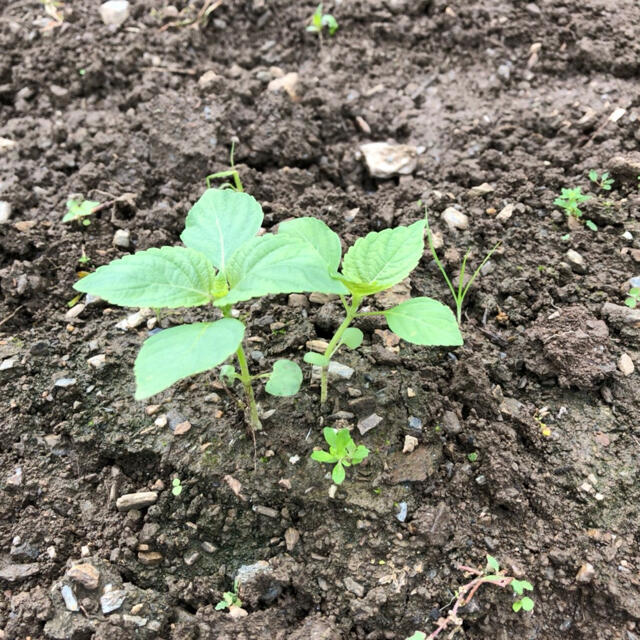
528, 435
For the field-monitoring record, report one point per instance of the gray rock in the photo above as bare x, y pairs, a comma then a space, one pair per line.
386, 160
335, 369
415, 423
5, 211
86, 575
114, 12
506, 212
112, 600
74, 312
133, 621
620, 315
353, 586
451, 423
455, 220
625, 364
24, 552
63, 383
70, 600
576, 261
122, 239
15, 479
98, 361
18, 572
210, 80
402, 511
368, 423
139, 500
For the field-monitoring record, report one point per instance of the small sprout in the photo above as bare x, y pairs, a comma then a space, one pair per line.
633, 298
77, 210
569, 200
342, 451
603, 182
230, 598
418, 635
320, 20
229, 173
472, 456
176, 487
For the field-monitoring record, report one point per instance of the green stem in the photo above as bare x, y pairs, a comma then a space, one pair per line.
332, 347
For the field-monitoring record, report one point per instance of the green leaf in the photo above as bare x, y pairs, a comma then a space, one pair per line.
352, 337
527, 603
359, 454
169, 277
338, 474
78, 209
285, 379
418, 635
221, 605
517, 605
276, 264
383, 258
317, 238
330, 435
311, 357
493, 564
591, 225
228, 373
329, 21
593, 175
424, 321
183, 351
517, 587
343, 437
323, 456
220, 222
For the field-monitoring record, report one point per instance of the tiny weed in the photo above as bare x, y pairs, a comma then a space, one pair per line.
342, 451
319, 20
230, 599
78, 210
229, 173
569, 200
604, 182
472, 457
176, 487
633, 298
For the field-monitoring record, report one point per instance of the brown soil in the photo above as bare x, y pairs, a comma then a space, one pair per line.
517, 95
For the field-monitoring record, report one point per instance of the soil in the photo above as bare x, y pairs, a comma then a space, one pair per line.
520, 96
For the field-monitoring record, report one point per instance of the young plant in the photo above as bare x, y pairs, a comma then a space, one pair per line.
373, 264
78, 210
459, 293
229, 173
320, 20
603, 182
633, 297
230, 598
569, 200
491, 574
176, 487
343, 452
224, 262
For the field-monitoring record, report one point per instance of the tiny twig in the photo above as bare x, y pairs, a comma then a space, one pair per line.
11, 315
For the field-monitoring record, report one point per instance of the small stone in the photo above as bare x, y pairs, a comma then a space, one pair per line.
410, 392
291, 538
6, 144
182, 428
576, 261
191, 558
151, 409
506, 212
5, 211
403, 510
265, 511
86, 575
298, 300
321, 298
288, 82
504, 72
114, 12
363, 125
112, 600
455, 220
150, 558
59, 95
133, 621
335, 369
98, 361
450, 423
385, 160
14, 480
410, 443
368, 423
122, 239
481, 189
138, 500
134, 320
75, 311
63, 383
354, 587
209, 80
70, 600
207, 547
625, 364
319, 346
415, 423
237, 612
161, 421
333, 489
17, 572
586, 573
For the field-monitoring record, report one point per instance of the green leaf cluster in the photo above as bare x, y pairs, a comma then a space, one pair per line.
569, 200
320, 20
343, 452
633, 298
603, 181
230, 599
79, 209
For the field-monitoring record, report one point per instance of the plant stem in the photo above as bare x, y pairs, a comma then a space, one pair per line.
245, 378
332, 347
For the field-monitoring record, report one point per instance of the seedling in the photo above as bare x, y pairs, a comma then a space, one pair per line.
223, 263
459, 293
373, 264
603, 182
319, 20
569, 200
230, 598
633, 297
176, 487
78, 210
491, 574
229, 173
343, 452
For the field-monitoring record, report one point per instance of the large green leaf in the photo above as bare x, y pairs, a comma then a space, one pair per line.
424, 321
285, 379
183, 351
383, 258
220, 222
276, 264
169, 277
318, 239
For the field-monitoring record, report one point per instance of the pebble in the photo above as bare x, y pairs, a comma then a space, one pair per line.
506, 212
481, 189
455, 220
353, 586
368, 423
321, 298
586, 573
451, 423
386, 160
64, 382
410, 443
291, 538
288, 82
625, 364
207, 547
75, 311
17, 572
15, 479
335, 369
122, 239
86, 575
5, 211
402, 511
134, 320
209, 80
69, 598
237, 612
150, 558
191, 558
133, 621
265, 511
114, 12
415, 423
181, 428
97, 361
5, 143
576, 261
139, 500
298, 300
112, 599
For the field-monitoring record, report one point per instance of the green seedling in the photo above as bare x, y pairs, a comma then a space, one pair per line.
319, 20
224, 262
603, 181
633, 297
459, 293
472, 457
78, 210
343, 452
375, 263
569, 200
230, 598
229, 173
491, 574
176, 487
